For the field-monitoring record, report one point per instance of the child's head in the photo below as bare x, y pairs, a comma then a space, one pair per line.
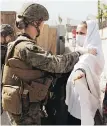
81, 33
82, 28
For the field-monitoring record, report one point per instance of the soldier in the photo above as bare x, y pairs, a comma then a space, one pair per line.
26, 76
6, 32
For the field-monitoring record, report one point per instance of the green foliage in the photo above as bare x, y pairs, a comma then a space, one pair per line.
102, 11
105, 15
105, 7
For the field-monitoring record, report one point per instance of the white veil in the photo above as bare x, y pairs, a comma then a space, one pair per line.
93, 40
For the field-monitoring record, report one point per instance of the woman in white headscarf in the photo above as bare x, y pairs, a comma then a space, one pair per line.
83, 90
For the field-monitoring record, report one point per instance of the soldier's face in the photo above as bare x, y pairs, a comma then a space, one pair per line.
8, 39
5, 40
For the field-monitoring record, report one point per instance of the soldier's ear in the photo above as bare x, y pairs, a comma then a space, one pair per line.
20, 24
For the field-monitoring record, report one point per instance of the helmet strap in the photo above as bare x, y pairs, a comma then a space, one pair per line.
38, 31
37, 26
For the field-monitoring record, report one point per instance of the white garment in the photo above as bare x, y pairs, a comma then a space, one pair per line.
80, 40
93, 40
81, 103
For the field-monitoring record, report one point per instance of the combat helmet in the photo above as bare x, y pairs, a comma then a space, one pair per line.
6, 29
33, 13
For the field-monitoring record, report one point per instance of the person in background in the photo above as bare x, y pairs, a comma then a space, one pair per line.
7, 33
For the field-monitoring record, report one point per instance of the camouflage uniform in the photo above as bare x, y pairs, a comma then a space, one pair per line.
5, 30
35, 57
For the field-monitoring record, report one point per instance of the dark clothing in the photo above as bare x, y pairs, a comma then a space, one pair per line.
56, 107
73, 121
105, 106
3, 54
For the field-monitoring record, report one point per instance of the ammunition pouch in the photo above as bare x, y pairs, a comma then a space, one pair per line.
11, 99
12, 96
38, 89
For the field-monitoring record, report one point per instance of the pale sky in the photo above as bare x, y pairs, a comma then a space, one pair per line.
74, 9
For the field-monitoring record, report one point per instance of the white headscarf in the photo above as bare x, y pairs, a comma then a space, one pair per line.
93, 40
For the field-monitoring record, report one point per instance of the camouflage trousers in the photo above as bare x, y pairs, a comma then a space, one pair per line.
32, 117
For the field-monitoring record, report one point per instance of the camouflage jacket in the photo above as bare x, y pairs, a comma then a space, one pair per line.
35, 56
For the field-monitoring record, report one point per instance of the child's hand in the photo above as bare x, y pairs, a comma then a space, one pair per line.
92, 51
78, 75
